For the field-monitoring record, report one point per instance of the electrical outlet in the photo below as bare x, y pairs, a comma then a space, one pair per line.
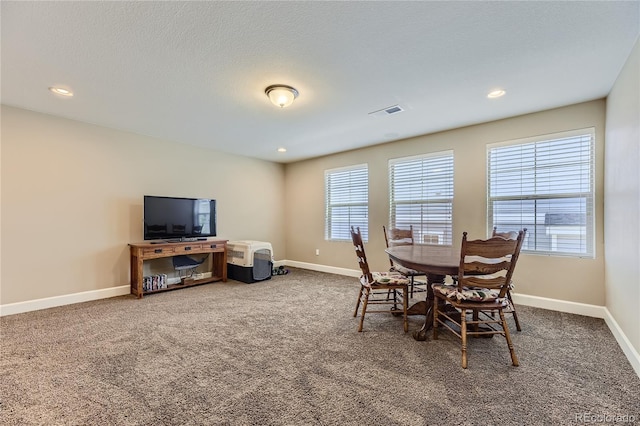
317, 252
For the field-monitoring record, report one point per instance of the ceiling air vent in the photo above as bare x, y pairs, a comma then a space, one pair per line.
393, 109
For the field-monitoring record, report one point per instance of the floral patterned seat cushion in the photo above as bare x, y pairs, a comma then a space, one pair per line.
468, 294
390, 278
406, 271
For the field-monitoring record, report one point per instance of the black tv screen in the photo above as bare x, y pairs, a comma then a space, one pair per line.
175, 218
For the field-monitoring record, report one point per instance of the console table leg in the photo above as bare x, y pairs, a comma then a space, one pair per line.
136, 276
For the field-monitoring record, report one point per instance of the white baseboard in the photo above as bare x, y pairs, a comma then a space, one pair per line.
68, 299
560, 305
322, 268
632, 354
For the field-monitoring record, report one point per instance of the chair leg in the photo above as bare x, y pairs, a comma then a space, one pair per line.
476, 317
463, 335
513, 311
364, 307
435, 318
395, 299
405, 306
507, 335
412, 286
355, 313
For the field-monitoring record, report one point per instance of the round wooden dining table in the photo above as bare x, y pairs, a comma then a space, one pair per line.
436, 262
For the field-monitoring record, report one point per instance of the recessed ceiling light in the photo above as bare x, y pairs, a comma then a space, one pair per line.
282, 149
61, 91
496, 94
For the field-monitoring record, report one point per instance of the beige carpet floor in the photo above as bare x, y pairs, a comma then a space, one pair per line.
286, 352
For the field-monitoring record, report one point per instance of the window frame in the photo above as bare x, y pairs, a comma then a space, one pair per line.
425, 227
588, 195
360, 193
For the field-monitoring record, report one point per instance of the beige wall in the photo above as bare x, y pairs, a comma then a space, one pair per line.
72, 200
622, 197
571, 279
85, 184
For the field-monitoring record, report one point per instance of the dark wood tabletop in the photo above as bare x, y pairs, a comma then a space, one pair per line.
431, 259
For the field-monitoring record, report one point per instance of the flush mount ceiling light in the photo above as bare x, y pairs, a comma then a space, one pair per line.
280, 95
496, 94
282, 149
61, 91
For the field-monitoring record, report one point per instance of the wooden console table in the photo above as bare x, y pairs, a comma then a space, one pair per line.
145, 251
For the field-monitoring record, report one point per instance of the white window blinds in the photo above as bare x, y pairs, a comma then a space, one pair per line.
347, 202
546, 185
421, 194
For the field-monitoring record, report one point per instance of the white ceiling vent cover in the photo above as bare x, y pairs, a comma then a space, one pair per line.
393, 109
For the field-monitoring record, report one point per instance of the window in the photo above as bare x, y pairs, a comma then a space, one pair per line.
347, 202
546, 185
421, 194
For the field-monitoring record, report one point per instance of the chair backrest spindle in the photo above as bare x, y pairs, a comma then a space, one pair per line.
397, 237
356, 238
509, 235
489, 263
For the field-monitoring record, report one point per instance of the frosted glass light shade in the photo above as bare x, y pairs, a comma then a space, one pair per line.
61, 91
496, 94
280, 95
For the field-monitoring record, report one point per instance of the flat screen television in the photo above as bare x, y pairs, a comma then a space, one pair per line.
173, 218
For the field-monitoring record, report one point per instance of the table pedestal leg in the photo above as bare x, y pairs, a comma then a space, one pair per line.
421, 334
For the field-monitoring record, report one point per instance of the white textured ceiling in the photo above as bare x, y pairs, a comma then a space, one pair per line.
195, 72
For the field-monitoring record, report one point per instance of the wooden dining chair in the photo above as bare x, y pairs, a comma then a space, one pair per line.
484, 275
511, 309
379, 288
403, 237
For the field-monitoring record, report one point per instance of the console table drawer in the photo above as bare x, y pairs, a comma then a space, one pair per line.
191, 248
157, 252
215, 246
